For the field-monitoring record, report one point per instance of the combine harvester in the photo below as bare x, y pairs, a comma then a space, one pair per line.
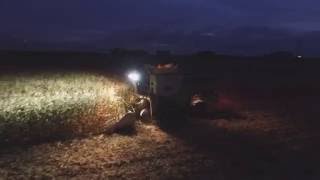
167, 95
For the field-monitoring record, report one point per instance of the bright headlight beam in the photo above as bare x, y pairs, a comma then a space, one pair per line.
134, 76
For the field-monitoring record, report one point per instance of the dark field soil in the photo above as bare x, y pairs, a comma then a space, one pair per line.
275, 136
259, 144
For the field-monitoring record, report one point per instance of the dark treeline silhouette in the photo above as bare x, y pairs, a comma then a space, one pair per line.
118, 56
280, 69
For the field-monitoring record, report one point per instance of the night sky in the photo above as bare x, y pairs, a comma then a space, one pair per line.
225, 26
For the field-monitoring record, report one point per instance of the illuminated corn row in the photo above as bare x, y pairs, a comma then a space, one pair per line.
54, 105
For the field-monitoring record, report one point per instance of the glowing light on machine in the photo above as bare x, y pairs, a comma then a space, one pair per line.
134, 76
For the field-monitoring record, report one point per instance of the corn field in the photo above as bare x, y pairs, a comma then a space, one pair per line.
55, 105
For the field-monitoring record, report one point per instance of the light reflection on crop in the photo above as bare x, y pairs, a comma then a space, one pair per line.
44, 104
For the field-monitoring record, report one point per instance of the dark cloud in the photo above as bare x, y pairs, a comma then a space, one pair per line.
90, 20
106, 14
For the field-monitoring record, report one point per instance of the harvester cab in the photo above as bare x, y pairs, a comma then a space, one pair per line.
164, 89
169, 95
